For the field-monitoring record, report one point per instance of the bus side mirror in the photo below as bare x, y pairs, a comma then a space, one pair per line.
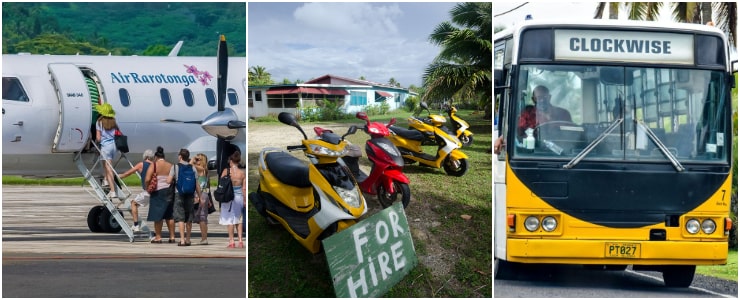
498, 77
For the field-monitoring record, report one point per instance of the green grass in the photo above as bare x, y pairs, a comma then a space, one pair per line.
728, 271
280, 267
130, 181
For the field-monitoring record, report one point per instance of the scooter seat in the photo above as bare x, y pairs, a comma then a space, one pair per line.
288, 169
407, 134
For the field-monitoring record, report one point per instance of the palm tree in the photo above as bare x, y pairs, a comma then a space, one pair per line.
613, 10
463, 67
258, 75
685, 12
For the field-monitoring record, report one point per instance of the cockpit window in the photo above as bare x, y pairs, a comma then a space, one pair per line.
13, 90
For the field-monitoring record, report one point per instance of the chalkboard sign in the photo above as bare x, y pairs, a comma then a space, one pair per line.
370, 257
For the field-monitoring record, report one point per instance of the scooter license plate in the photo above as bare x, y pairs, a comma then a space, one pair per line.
623, 250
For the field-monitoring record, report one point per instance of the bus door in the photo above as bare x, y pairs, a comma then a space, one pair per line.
499, 161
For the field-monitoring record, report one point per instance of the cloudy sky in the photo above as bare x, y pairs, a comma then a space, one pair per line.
554, 10
376, 40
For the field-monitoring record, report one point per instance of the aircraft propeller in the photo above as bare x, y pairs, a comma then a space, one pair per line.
223, 124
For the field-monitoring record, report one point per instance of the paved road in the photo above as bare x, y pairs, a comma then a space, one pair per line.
576, 282
48, 251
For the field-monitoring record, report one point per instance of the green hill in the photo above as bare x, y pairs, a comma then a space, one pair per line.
122, 28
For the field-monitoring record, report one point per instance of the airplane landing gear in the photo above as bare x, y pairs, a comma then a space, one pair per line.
100, 219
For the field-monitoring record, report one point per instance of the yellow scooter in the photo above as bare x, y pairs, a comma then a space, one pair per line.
461, 127
409, 142
310, 201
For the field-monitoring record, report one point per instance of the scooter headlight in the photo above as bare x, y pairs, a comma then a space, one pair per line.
390, 148
350, 196
321, 150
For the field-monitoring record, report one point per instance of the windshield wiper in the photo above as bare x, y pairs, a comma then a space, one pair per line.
593, 144
663, 148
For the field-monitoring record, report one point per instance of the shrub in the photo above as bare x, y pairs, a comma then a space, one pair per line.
271, 117
411, 103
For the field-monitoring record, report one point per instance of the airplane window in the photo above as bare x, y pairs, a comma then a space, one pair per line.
233, 98
13, 90
211, 97
124, 96
165, 95
188, 94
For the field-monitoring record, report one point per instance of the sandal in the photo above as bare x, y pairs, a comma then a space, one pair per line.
241, 245
182, 244
171, 241
156, 241
231, 245
187, 243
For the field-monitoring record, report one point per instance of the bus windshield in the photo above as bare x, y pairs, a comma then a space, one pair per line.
617, 113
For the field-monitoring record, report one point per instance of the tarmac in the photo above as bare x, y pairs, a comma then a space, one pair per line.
52, 220
48, 251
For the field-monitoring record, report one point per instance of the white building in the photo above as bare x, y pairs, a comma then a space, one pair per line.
352, 95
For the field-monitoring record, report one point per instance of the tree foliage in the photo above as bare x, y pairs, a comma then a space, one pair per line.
258, 75
462, 70
123, 28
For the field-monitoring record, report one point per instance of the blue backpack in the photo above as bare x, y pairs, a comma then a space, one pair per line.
186, 179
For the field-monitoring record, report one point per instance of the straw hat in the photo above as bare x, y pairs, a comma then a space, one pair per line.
105, 110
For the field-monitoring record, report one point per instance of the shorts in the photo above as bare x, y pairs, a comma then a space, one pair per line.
142, 199
107, 151
183, 208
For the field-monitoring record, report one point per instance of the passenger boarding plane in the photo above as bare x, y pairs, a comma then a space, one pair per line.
48, 115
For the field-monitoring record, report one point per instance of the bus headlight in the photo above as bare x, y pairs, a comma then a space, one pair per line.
708, 226
531, 223
692, 226
549, 224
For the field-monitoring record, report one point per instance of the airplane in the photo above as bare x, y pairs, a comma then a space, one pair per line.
48, 116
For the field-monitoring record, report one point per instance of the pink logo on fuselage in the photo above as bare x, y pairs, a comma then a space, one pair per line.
204, 77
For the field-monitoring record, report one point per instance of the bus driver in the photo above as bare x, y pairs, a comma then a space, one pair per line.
541, 112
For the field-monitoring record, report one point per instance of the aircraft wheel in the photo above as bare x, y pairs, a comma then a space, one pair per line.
108, 223
93, 217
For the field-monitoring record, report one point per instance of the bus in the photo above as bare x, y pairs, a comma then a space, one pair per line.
617, 146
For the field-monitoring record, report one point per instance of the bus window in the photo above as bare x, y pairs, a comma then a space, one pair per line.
679, 107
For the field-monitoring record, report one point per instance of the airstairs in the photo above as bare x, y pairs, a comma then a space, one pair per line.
108, 217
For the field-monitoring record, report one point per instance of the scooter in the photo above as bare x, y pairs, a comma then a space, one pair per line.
386, 180
461, 127
310, 201
448, 155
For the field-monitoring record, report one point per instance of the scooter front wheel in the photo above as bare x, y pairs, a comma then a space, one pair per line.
455, 167
401, 192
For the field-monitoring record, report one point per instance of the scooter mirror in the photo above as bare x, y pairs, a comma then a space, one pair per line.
287, 118
352, 129
392, 121
361, 115
424, 105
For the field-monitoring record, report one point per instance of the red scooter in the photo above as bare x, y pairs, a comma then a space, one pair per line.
386, 178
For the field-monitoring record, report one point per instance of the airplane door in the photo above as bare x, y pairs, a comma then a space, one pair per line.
75, 109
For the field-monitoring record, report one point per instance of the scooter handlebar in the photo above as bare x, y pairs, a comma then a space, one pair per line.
296, 147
